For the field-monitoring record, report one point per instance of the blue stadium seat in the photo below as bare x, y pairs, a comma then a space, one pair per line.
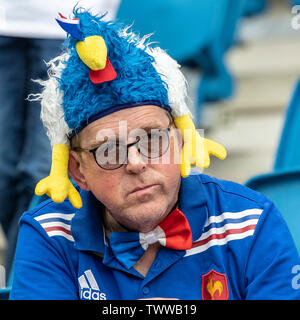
294, 2
217, 81
254, 7
196, 32
283, 188
288, 153
181, 27
283, 184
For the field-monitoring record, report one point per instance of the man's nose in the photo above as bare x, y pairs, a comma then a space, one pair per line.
135, 162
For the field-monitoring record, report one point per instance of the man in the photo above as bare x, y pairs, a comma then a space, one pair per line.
142, 231
27, 39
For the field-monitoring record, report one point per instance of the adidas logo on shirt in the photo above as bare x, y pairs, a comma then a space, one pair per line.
89, 289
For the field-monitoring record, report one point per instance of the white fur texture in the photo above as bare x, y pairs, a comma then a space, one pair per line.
52, 113
170, 73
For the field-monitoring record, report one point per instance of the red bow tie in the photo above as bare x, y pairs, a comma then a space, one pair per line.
173, 232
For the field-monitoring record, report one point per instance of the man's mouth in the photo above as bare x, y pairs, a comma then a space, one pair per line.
140, 190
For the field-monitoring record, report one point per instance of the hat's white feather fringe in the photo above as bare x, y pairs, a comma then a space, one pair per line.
52, 113
170, 73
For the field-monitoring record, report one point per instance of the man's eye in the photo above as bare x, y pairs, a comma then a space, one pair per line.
108, 147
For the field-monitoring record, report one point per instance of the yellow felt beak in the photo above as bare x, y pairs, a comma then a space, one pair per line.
93, 52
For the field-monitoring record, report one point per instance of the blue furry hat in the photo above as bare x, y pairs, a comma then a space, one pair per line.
137, 82
136, 73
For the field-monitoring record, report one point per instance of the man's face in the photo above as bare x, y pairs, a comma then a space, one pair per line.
139, 194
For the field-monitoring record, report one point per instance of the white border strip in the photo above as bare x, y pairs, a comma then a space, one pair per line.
228, 226
65, 216
219, 242
232, 215
60, 233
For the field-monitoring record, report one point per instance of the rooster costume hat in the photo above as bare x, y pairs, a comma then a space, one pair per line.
105, 67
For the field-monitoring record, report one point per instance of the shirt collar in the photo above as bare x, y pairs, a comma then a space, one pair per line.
87, 228
193, 203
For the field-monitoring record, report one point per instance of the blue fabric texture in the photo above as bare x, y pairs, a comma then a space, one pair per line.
128, 245
136, 81
255, 255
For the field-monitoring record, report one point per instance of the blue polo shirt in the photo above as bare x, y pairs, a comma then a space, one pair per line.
242, 249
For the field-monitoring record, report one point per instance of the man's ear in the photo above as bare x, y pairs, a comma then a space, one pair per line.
75, 170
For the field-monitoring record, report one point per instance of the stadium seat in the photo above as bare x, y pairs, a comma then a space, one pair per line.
282, 185
254, 7
181, 27
283, 188
288, 153
194, 33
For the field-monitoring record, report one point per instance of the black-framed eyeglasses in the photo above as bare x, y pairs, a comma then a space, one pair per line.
112, 155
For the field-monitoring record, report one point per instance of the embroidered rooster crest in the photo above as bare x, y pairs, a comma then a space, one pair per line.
214, 286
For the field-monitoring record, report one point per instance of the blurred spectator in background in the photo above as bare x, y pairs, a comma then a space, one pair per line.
28, 37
